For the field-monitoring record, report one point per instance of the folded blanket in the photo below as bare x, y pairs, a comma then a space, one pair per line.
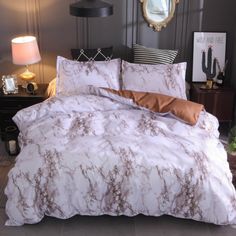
184, 110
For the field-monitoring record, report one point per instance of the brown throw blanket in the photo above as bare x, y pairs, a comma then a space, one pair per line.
185, 110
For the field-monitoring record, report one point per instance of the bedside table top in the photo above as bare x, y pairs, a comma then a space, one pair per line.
223, 89
22, 92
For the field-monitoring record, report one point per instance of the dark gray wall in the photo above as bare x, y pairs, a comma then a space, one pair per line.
221, 17
58, 32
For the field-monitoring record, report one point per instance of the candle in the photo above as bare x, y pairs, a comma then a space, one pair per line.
12, 146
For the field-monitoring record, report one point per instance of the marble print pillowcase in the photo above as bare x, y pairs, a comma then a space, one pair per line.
164, 79
71, 75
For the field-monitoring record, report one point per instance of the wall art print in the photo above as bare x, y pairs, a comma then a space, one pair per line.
208, 55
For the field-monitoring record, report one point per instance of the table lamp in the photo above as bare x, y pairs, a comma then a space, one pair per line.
25, 52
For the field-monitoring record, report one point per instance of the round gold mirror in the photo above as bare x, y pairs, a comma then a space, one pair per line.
158, 13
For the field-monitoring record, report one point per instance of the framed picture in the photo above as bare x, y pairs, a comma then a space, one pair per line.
209, 50
10, 85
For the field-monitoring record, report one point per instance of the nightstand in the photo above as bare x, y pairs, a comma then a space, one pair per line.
10, 104
219, 102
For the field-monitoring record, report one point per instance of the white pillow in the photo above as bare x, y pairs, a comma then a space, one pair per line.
73, 74
165, 79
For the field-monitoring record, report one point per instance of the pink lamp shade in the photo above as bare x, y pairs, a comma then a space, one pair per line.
25, 50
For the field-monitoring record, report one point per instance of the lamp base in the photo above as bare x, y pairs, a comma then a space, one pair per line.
27, 77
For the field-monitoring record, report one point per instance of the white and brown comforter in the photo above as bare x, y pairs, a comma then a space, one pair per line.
91, 155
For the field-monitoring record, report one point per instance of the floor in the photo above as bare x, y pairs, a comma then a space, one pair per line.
114, 226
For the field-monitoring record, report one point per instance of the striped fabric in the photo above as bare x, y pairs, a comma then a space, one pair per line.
144, 55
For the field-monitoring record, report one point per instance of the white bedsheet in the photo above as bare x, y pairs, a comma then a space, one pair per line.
90, 155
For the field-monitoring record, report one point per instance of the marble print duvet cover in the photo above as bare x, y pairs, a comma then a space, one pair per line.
92, 155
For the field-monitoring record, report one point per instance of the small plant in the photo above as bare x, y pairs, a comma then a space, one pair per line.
232, 141
224, 67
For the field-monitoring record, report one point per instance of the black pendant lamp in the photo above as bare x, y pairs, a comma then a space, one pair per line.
91, 8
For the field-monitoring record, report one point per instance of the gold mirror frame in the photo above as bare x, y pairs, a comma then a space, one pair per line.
157, 26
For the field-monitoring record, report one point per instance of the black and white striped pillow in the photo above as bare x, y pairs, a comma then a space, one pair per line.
144, 55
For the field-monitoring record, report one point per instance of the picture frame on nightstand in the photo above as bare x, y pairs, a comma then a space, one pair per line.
10, 85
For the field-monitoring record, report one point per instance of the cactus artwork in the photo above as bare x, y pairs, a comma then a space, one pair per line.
208, 69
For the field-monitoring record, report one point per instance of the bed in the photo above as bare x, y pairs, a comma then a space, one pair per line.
91, 150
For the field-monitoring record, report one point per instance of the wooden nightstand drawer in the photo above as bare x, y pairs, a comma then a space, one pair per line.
13, 104
219, 102
10, 104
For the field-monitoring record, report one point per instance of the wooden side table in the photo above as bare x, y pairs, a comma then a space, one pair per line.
10, 104
219, 102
